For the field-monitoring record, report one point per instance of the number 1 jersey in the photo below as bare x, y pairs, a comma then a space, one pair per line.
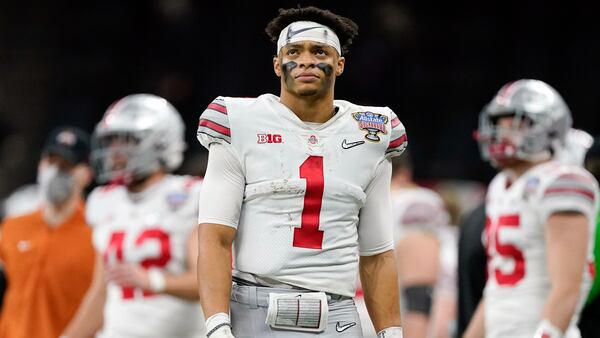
308, 208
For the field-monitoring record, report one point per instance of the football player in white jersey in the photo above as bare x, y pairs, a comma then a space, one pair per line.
144, 227
419, 215
299, 184
540, 218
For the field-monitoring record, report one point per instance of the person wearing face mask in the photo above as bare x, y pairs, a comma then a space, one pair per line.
47, 255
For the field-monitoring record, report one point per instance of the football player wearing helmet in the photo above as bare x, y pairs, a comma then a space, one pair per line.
144, 227
540, 218
300, 184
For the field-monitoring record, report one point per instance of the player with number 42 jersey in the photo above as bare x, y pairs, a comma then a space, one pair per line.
144, 227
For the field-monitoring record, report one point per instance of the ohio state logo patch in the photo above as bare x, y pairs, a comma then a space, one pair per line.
372, 123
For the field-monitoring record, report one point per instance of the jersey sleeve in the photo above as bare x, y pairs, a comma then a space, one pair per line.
375, 233
570, 192
423, 215
92, 215
222, 189
398, 139
213, 126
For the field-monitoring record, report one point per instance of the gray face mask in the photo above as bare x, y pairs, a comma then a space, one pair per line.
56, 186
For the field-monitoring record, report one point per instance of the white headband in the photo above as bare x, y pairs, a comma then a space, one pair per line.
308, 31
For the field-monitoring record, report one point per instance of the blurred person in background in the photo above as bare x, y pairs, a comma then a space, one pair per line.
589, 323
22, 201
420, 220
47, 254
540, 218
472, 256
144, 225
301, 183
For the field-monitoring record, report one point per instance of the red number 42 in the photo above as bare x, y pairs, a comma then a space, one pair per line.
116, 245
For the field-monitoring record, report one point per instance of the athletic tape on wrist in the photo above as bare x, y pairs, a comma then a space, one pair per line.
157, 280
546, 329
217, 321
390, 332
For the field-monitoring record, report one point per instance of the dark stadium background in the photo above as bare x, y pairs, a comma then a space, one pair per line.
435, 63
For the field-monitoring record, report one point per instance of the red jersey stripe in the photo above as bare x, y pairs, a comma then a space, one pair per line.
215, 127
395, 122
576, 177
584, 192
218, 107
395, 143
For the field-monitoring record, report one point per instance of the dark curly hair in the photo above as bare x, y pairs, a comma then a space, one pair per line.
345, 28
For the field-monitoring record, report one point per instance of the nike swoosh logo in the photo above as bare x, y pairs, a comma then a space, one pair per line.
342, 328
291, 33
348, 145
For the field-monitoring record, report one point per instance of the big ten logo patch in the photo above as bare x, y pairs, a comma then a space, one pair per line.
269, 138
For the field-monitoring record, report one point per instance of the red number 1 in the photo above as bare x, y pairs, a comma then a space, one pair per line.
308, 234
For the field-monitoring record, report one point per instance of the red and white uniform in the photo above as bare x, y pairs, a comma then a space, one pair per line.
150, 229
417, 209
312, 198
518, 282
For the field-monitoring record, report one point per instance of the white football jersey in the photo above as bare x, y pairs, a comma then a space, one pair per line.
305, 188
417, 209
151, 230
518, 282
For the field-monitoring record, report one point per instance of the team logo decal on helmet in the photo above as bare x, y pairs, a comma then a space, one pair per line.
373, 123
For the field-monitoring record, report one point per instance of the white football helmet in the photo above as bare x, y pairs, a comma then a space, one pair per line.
541, 120
138, 135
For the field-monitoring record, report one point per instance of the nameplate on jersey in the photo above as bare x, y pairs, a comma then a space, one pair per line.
306, 312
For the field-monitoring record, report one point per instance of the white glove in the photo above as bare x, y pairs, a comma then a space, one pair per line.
219, 326
390, 332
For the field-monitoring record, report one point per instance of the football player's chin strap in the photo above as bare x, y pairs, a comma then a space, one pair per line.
219, 326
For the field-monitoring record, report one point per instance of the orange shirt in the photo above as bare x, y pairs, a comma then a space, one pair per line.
48, 272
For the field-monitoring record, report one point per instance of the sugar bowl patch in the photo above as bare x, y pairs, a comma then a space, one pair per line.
372, 123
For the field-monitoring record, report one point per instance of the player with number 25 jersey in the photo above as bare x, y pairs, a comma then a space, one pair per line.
540, 218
